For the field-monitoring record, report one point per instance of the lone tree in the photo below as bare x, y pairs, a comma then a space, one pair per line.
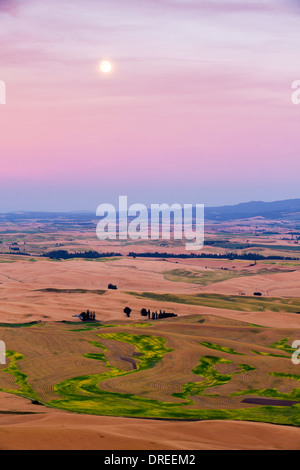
127, 311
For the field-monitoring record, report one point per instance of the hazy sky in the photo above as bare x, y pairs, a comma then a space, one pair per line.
197, 109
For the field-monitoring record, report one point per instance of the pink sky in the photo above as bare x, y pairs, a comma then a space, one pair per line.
197, 110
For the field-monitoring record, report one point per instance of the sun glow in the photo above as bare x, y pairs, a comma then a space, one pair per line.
105, 66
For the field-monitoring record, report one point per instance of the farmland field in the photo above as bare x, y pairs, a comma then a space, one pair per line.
193, 368
223, 361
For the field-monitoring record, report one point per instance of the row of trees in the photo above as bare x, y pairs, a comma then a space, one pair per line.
156, 315
150, 315
230, 256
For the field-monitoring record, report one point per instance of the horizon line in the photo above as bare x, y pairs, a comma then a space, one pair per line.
88, 211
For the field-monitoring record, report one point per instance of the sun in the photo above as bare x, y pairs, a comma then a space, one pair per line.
105, 66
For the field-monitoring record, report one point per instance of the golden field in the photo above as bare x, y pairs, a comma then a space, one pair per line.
224, 347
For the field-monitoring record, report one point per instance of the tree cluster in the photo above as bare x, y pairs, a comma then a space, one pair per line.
156, 315
87, 316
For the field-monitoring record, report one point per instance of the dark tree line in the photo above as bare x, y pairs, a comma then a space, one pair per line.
18, 253
63, 254
230, 256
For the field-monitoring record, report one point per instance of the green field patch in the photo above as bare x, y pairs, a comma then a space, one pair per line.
270, 393
98, 326
21, 379
229, 302
266, 354
207, 277
83, 395
212, 378
97, 357
20, 325
273, 392
287, 376
198, 277
217, 347
151, 348
282, 263
87, 328
282, 345
246, 367
102, 260
52, 290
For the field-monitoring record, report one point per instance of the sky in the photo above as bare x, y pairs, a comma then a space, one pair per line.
197, 108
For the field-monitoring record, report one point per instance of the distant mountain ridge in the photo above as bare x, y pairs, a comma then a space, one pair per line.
288, 210
279, 210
